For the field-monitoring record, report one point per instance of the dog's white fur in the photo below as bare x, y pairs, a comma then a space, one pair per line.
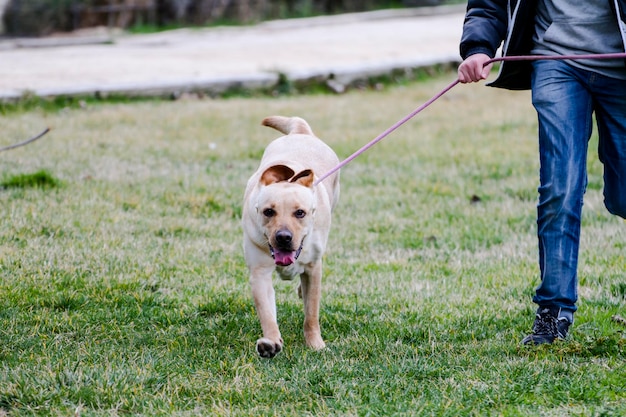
286, 221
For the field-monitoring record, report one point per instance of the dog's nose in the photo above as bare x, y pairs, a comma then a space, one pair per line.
283, 237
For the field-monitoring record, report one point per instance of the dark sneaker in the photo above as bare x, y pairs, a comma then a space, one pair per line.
548, 327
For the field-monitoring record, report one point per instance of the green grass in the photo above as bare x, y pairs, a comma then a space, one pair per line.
123, 289
41, 179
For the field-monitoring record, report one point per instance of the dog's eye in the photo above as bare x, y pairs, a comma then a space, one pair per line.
268, 212
299, 214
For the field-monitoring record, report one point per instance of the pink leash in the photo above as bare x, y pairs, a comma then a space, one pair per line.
448, 88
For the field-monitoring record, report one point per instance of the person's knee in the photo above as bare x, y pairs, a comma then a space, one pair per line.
614, 183
616, 206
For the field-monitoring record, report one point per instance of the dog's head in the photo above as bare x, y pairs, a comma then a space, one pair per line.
285, 210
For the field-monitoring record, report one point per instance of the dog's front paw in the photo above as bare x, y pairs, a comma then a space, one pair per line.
314, 341
267, 348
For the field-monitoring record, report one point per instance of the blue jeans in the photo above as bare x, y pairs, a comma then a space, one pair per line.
565, 98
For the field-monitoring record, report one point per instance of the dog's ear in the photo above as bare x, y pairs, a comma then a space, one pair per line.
276, 173
305, 178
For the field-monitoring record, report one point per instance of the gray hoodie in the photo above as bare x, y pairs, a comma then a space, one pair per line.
489, 22
564, 27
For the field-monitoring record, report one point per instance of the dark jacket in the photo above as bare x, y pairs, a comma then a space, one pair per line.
487, 25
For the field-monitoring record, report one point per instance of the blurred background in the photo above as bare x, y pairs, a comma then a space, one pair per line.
44, 17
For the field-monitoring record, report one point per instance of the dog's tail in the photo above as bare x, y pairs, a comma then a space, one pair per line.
288, 125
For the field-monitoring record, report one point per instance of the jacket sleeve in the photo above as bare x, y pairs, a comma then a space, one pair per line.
484, 28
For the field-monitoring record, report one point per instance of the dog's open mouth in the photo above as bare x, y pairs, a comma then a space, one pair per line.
283, 258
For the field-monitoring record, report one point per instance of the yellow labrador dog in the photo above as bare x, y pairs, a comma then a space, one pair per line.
286, 221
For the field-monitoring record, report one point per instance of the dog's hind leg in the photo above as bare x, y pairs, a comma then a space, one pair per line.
265, 301
311, 290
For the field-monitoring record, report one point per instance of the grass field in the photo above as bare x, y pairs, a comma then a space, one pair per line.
123, 289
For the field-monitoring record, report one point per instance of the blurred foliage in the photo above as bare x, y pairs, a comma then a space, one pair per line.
42, 17
36, 17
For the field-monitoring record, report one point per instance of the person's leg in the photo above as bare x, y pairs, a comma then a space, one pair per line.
610, 108
564, 108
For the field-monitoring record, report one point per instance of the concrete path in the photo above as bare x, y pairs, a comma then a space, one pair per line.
344, 47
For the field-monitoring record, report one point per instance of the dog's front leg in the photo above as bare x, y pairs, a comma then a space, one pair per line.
265, 301
311, 291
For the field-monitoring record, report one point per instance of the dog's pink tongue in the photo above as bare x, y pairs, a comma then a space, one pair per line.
283, 258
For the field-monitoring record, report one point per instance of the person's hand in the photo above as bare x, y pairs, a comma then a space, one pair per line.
473, 69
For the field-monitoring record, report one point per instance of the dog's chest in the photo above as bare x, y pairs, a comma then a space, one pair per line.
288, 273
